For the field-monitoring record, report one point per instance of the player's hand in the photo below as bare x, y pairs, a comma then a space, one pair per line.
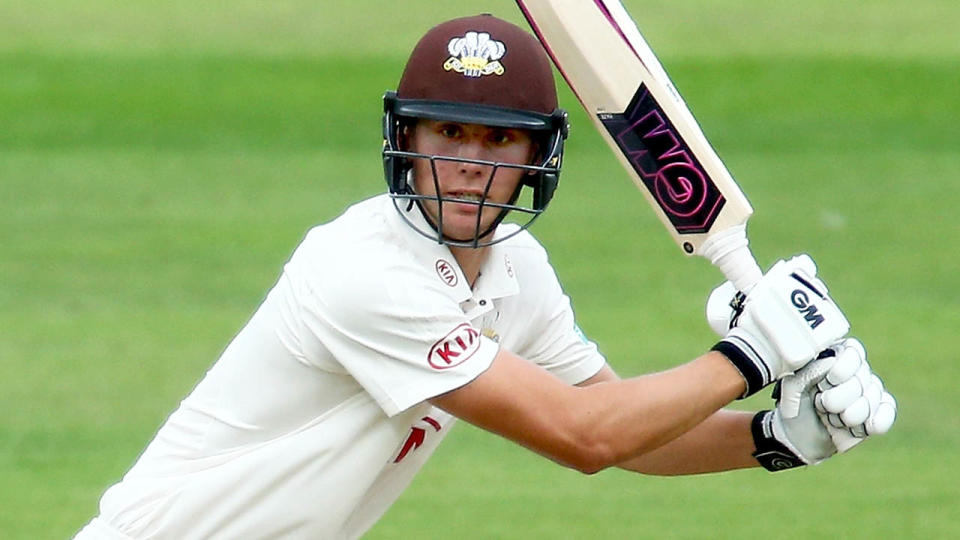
852, 400
798, 432
784, 321
782, 441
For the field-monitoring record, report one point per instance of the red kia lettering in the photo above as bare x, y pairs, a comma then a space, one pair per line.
455, 348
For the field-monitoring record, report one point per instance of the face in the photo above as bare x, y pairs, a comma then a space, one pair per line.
460, 180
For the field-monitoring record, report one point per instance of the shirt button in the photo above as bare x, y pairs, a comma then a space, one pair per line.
483, 302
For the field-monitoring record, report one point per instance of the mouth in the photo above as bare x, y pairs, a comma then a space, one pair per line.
465, 196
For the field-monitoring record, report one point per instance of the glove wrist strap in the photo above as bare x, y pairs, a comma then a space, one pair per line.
747, 360
771, 453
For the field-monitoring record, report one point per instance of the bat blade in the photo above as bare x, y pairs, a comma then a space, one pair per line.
621, 84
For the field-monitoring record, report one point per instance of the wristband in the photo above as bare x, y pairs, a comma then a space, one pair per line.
771, 453
747, 360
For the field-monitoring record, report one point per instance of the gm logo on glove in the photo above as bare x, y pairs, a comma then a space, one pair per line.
784, 308
809, 311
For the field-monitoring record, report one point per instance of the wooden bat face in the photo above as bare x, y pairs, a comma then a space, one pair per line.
634, 105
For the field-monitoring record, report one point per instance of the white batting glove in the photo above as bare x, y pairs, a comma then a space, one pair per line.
720, 307
794, 434
785, 320
801, 432
852, 400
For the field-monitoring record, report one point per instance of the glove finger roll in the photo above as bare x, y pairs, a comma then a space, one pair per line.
857, 345
848, 363
857, 413
874, 393
882, 420
837, 399
818, 403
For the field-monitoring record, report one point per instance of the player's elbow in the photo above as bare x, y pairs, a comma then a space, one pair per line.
590, 456
590, 464
586, 444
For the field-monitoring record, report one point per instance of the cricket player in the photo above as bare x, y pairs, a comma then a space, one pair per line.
433, 302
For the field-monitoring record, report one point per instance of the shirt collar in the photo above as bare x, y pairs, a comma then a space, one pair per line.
497, 275
498, 278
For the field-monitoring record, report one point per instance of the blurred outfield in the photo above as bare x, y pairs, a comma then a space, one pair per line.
160, 160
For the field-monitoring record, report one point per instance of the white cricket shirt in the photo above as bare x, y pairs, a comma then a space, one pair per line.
314, 419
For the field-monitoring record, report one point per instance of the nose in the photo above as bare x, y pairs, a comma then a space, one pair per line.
473, 149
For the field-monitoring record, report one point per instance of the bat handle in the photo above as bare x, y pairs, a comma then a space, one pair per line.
729, 250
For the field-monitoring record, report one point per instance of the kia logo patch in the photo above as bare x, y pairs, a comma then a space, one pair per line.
455, 348
446, 272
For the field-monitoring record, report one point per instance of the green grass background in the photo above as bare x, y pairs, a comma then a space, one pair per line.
160, 160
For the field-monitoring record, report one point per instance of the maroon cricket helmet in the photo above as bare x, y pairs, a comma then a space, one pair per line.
478, 70
480, 60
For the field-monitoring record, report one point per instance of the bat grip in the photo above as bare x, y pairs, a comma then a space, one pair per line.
729, 251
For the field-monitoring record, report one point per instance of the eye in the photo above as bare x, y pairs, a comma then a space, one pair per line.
450, 131
500, 136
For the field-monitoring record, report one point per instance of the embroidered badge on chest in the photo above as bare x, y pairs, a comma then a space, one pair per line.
487, 326
490, 333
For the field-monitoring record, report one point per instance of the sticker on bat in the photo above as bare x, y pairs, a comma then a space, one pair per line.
667, 166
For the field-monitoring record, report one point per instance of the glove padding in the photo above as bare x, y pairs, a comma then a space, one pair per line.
794, 434
784, 321
852, 399
801, 432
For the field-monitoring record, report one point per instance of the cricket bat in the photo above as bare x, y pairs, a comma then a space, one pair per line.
618, 79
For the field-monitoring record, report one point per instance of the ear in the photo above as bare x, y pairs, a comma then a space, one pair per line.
405, 135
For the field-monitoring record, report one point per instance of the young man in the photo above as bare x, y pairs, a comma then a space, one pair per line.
424, 305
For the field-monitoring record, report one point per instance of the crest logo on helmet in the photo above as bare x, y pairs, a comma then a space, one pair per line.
475, 55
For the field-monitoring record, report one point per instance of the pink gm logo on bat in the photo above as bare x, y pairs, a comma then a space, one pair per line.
670, 171
455, 348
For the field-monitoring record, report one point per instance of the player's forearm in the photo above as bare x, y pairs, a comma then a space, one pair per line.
597, 426
722, 442
641, 414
